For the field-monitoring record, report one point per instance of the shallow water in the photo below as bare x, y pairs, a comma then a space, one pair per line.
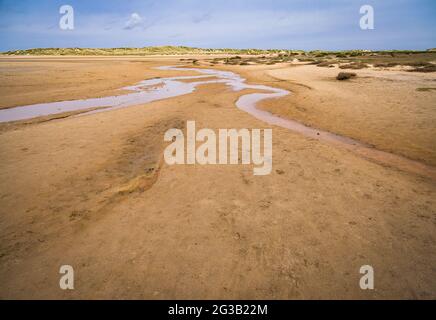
143, 92
163, 88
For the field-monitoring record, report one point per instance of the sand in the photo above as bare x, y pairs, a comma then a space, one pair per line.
382, 108
93, 191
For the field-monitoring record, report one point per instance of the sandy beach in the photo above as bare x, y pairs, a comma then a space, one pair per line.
93, 191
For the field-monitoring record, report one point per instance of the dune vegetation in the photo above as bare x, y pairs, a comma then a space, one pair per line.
414, 61
181, 50
160, 50
418, 61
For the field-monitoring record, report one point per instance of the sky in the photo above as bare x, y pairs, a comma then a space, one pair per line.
264, 24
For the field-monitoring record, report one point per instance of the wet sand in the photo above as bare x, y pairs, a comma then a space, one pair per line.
151, 90
385, 109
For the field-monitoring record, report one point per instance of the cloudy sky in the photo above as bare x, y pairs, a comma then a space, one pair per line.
287, 24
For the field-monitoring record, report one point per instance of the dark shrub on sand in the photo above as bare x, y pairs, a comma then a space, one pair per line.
386, 64
345, 75
325, 64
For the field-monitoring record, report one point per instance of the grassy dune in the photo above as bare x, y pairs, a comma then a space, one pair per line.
421, 61
162, 50
174, 50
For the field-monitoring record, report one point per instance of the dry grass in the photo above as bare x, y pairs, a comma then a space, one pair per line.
354, 65
326, 64
421, 61
160, 50
426, 68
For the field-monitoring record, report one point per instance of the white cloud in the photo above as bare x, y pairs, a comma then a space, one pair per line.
134, 21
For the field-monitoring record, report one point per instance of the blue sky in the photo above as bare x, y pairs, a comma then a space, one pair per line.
284, 24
